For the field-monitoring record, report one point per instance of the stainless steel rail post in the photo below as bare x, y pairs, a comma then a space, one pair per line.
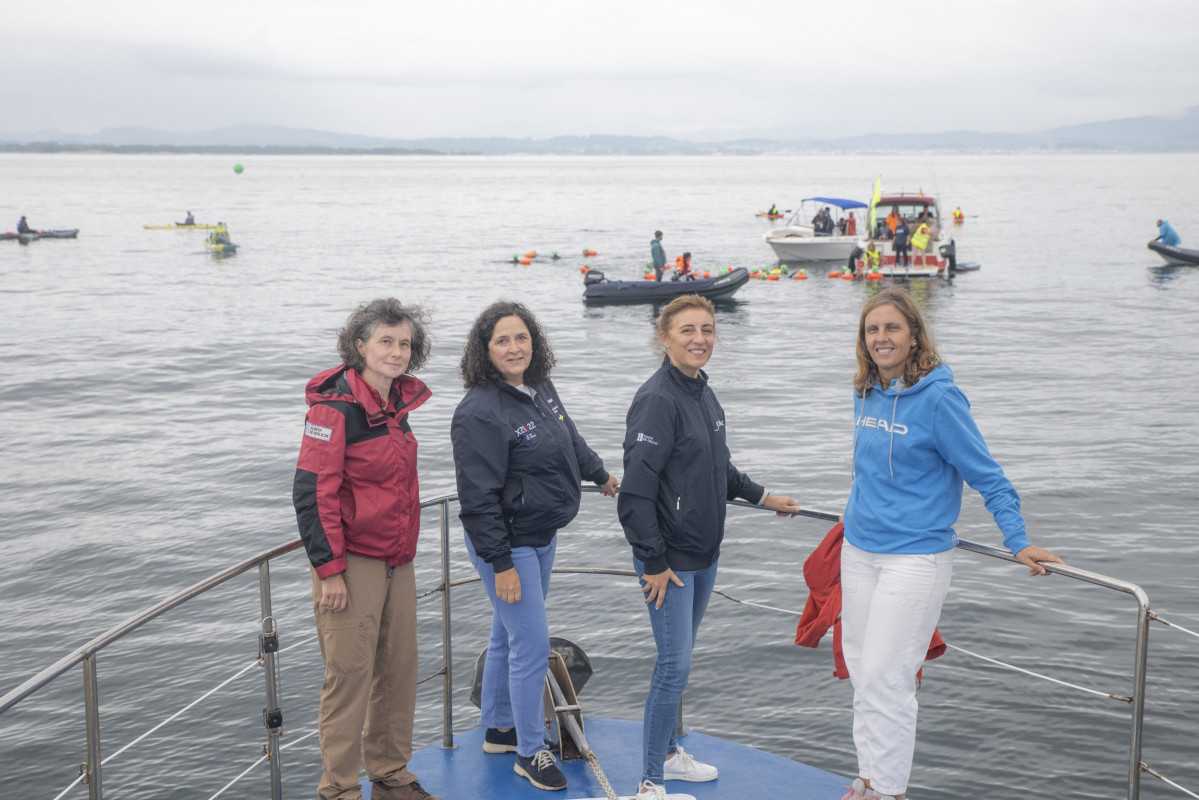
447, 678
268, 648
91, 702
1139, 668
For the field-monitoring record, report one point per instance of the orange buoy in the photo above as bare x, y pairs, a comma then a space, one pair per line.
526, 261
847, 276
835, 274
707, 274
587, 252
800, 276
649, 276
531, 254
755, 274
772, 276
585, 268
874, 276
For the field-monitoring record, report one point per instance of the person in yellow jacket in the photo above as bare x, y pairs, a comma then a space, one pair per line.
872, 259
920, 237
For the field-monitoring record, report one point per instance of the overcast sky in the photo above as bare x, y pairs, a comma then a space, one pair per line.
683, 68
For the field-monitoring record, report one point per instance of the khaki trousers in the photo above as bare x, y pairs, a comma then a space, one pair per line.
368, 699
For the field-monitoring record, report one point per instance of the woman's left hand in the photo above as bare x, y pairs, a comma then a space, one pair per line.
609, 488
781, 505
1030, 555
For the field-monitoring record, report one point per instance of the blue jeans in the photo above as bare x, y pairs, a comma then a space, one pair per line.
519, 649
675, 626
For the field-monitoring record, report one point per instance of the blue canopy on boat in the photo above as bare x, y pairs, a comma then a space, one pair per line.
837, 201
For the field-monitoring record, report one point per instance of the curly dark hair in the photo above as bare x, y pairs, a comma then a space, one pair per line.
477, 369
361, 324
923, 358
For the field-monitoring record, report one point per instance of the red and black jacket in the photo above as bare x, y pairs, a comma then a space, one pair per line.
356, 489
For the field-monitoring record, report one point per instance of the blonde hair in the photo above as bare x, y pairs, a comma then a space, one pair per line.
923, 357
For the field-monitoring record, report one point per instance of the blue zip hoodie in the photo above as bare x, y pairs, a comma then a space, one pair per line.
913, 447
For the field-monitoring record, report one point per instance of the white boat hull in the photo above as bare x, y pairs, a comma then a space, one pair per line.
793, 247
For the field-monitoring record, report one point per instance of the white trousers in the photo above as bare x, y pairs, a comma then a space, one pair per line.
889, 608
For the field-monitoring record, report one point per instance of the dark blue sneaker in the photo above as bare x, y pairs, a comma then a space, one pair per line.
498, 741
541, 770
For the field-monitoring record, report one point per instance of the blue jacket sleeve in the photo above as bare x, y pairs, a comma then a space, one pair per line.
480, 468
648, 443
741, 487
960, 443
591, 466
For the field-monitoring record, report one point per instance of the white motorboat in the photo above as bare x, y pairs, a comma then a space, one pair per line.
801, 238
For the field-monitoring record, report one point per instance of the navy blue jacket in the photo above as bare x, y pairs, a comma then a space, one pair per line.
678, 474
518, 461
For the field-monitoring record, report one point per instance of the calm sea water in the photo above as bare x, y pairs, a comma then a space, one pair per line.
152, 400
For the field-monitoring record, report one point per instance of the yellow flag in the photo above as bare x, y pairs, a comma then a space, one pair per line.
874, 201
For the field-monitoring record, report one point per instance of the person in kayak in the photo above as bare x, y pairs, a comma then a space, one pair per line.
189, 219
23, 227
914, 444
1165, 234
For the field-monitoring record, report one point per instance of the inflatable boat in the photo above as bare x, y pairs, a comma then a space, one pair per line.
1172, 254
597, 288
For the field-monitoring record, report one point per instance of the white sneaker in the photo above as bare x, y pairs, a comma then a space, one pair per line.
648, 790
683, 767
858, 791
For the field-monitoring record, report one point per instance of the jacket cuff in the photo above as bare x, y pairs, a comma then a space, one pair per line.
656, 565
331, 568
501, 562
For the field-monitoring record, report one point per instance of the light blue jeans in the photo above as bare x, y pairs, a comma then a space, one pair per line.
675, 626
519, 649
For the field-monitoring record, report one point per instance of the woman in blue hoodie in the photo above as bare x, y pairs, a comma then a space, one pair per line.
914, 444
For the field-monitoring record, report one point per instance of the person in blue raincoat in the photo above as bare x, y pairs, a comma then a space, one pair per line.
1166, 234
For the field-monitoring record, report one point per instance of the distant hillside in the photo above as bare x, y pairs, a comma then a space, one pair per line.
1138, 135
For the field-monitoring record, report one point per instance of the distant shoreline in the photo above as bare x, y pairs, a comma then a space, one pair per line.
314, 150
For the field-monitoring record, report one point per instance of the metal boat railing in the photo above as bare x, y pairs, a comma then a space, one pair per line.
90, 771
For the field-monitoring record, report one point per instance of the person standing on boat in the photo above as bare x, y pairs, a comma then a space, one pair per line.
893, 220
914, 443
899, 243
358, 507
658, 255
678, 477
1165, 233
518, 460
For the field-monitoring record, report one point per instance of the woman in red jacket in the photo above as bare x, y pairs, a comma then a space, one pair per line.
358, 507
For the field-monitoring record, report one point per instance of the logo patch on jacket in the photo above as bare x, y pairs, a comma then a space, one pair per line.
317, 432
645, 437
526, 430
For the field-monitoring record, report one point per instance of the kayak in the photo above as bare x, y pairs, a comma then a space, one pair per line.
225, 249
26, 238
1175, 255
597, 288
179, 227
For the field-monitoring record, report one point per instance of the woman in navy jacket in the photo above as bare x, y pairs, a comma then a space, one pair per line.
678, 477
518, 459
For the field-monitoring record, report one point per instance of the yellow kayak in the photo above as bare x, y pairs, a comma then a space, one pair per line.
178, 227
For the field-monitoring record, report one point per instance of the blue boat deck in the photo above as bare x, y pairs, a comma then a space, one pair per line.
467, 773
